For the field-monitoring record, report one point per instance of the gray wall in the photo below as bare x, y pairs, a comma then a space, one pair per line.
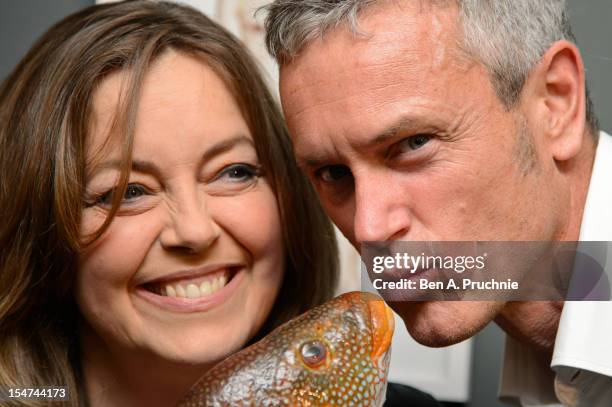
486, 365
21, 22
591, 22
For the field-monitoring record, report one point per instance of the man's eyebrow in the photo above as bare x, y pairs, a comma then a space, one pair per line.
404, 124
310, 162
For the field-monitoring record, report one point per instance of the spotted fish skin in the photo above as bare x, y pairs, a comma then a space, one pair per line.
352, 331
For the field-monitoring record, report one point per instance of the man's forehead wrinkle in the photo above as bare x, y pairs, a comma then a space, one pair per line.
419, 42
387, 55
373, 76
390, 45
298, 89
367, 99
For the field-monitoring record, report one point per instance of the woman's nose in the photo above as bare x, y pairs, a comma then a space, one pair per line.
191, 227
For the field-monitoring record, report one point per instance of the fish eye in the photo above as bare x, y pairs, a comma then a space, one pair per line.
313, 353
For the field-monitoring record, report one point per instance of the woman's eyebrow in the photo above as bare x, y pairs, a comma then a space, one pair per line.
141, 166
226, 145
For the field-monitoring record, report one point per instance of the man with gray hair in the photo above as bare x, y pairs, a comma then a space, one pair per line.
432, 120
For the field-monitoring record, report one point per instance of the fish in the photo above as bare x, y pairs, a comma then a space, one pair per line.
336, 354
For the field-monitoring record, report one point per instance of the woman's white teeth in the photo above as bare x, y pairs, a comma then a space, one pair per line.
192, 291
205, 288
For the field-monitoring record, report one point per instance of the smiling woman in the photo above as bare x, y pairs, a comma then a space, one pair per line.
154, 220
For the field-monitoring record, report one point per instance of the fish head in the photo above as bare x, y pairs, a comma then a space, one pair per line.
334, 354
339, 352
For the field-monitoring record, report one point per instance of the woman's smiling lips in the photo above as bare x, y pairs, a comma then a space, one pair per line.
192, 290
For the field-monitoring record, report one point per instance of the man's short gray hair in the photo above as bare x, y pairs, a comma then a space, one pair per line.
509, 37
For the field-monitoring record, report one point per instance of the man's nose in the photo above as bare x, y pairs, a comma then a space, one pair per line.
192, 227
382, 210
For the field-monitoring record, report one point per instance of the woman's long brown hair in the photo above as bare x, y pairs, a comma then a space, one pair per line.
45, 113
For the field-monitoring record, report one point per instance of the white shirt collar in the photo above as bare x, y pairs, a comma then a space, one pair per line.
597, 218
585, 329
583, 340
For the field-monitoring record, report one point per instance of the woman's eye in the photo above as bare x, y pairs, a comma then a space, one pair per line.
239, 172
234, 179
334, 173
314, 353
132, 192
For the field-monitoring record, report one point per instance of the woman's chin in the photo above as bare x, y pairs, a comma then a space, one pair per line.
204, 355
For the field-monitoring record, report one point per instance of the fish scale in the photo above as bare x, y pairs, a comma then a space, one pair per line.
354, 331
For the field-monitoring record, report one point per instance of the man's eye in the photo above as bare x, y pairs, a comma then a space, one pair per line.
416, 142
334, 173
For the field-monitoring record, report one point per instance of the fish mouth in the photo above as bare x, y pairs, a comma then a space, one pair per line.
383, 325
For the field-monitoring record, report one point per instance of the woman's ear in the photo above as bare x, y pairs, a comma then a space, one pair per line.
556, 100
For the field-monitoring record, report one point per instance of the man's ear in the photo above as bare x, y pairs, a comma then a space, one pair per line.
555, 99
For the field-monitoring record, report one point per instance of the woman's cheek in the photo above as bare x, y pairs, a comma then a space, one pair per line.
116, 256
253, 220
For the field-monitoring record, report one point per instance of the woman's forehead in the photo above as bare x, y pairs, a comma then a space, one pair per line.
179, 92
